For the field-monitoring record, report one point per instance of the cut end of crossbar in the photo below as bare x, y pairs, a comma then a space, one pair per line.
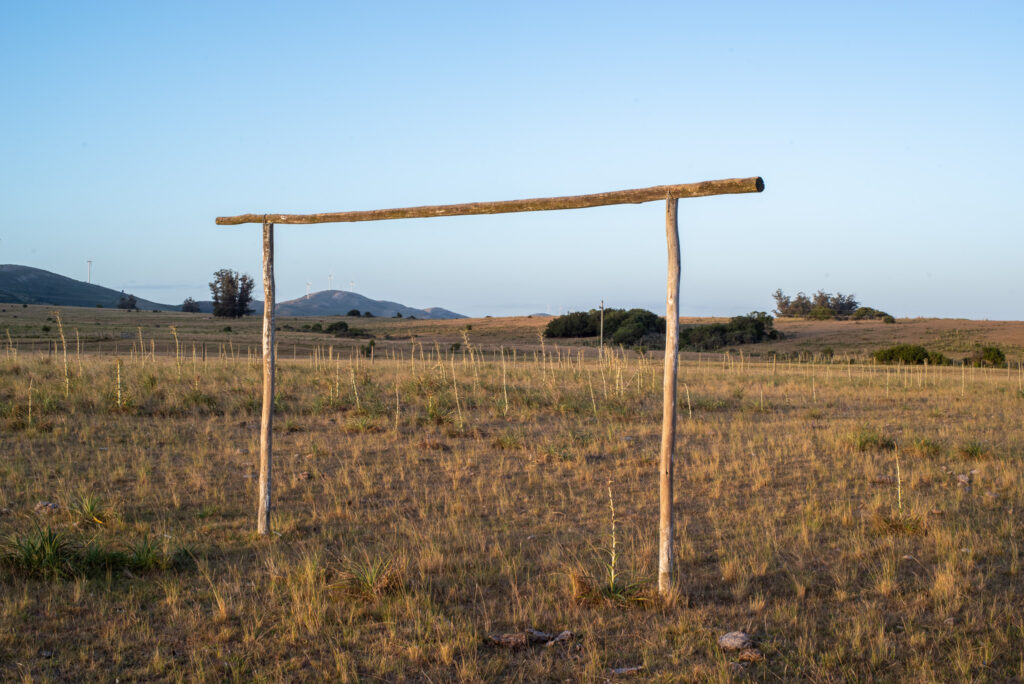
759, 184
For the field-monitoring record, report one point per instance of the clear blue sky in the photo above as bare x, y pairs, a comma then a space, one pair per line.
888, 134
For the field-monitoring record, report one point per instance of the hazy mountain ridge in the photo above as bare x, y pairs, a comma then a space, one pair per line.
29, 285
340, 302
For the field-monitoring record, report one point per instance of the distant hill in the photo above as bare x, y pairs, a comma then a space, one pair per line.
340, 302
27, 285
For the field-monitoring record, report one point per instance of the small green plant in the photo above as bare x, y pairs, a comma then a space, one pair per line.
509, 439
612, 586
40, 553
868, 439
973, 449
926, 447
88, 508
145, 555
361, 424
371, 576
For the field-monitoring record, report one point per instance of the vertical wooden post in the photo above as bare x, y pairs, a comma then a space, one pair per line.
668, 421
267, 422
600, 347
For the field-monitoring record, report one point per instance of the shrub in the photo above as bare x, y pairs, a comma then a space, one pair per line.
987, 356
910, 354
756, 326
620, 326
575, 324
190, 305
821, 313
866, 312
353, 312
337, 328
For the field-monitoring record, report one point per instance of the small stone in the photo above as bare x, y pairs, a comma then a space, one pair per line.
963, 479
949, 622
735, 641
47, 507
632, 669
304, 475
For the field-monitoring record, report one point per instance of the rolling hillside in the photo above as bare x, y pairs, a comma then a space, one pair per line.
27, 285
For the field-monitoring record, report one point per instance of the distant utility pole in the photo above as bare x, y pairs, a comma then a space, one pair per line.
308, 285
351, 285
600, 346
330, 282
89, 280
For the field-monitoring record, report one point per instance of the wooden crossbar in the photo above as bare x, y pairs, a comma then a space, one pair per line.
728, 186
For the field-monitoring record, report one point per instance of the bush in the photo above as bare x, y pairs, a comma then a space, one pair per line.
337, 328
190, 305
575, 324
911, 355
992, 357
756, 326
866, 312
620, 326
353, 312
821, 313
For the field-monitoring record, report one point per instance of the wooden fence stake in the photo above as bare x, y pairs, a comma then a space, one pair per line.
668, 420
267, 422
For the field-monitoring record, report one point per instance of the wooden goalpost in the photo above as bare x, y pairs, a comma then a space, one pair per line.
670, 193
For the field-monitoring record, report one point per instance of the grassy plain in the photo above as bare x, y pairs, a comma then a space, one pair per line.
861, 522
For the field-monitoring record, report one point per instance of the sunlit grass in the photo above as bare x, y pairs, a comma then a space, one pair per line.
423, 503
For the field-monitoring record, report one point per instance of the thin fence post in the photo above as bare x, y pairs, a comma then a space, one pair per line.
267, 422
668, 421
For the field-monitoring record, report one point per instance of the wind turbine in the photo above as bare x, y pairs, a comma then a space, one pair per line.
351, 285
308, 285
330, 282
89, 280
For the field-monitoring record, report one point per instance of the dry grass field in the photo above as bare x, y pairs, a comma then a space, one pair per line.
861, 522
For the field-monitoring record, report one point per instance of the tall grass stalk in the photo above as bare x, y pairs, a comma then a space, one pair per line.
64, 346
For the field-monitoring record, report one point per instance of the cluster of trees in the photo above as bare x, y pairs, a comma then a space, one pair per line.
190, 305
821, 305
127, 302
754, 327
232, 293
635, 326
355, 312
